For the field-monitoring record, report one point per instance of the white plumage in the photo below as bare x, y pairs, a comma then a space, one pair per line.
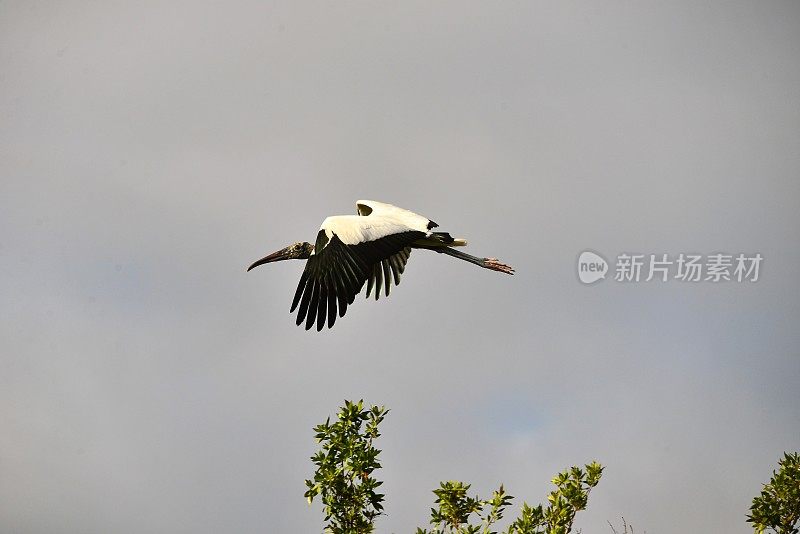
354, 229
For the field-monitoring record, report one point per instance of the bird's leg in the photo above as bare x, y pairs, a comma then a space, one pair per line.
486, 263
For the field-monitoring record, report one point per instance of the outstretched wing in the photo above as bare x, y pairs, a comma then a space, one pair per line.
335, 275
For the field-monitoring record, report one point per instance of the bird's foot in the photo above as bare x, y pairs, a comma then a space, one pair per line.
495, 265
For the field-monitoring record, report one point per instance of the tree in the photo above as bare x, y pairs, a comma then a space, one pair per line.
344, 480
345, 464
455, 508
570, 496
778, 506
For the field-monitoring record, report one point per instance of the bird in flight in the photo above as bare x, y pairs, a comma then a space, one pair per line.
371, 247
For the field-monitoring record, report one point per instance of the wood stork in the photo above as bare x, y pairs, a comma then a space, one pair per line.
371, 247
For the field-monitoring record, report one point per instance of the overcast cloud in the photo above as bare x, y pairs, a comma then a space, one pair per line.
150, 151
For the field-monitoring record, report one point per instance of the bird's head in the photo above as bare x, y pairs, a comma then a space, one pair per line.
298, 251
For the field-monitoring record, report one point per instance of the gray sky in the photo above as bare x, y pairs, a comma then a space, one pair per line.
151, 151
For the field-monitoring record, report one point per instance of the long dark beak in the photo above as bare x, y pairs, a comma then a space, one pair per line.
282, 254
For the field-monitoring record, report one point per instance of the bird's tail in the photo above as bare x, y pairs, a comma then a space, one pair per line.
438, 239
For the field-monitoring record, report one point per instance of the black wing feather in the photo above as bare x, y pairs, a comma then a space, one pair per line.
395, 269
370, 282
378, 270
322, 311
301, 314
396, 263
312, 306
331, 308
386, 277
300, 287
